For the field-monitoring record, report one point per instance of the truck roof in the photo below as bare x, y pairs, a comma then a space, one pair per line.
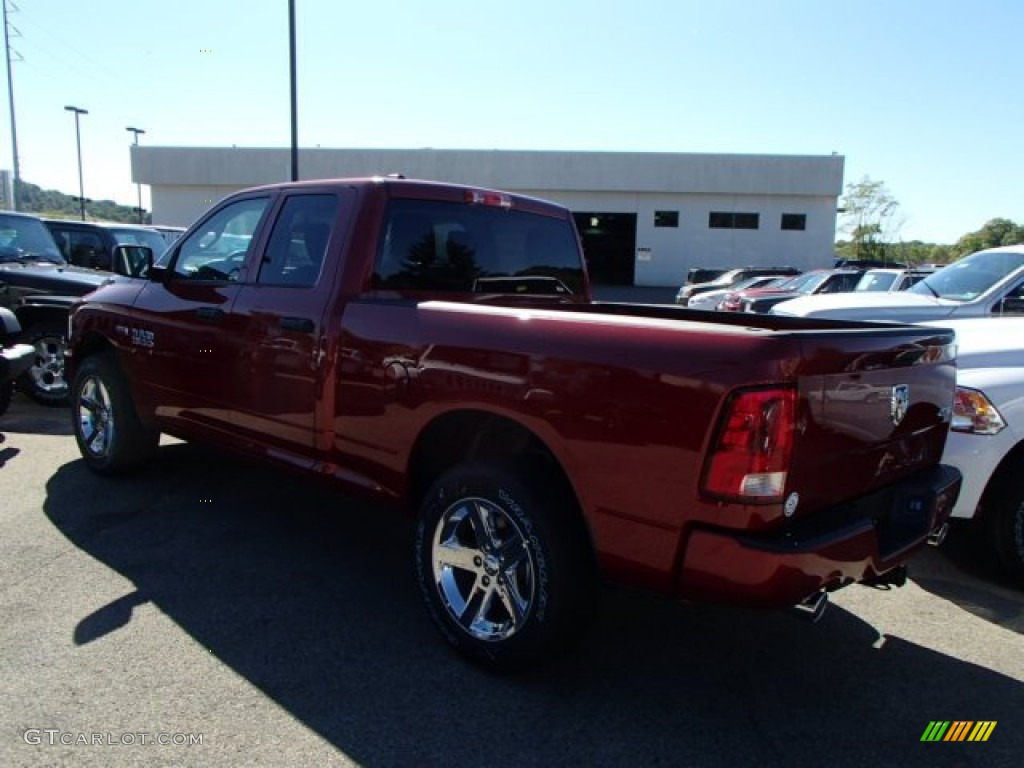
403, 187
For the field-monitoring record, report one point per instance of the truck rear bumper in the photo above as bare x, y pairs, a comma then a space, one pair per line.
835, 547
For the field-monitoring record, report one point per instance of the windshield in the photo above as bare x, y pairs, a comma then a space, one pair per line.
971, 276
726, 278
753, 282
804, 283
148, 237
876, 281
25, 239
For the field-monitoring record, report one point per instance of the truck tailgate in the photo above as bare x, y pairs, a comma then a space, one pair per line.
883, 416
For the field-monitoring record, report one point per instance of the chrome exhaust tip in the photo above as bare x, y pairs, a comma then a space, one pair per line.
813, 607
936, 537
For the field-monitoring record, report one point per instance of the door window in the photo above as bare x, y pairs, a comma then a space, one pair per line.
1012, 303
298, 242
86, 249
217, 250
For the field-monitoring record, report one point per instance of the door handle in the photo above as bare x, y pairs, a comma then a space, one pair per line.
212, 314
300, 324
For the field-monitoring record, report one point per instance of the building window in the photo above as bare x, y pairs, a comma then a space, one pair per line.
794, 221
722, 220
666, 218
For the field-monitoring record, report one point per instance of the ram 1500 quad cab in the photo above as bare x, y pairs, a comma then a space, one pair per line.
437, 345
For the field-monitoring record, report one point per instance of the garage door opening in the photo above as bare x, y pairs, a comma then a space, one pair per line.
609, 244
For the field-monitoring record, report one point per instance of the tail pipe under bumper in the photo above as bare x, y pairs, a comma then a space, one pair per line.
863, 539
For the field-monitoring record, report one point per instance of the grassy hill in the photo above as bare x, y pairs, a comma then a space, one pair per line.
57, 205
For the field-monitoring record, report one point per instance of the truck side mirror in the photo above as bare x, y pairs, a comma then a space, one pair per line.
132, 260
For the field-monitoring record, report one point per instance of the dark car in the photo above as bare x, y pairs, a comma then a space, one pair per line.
91, 244
730, 278
39, 286
814, 282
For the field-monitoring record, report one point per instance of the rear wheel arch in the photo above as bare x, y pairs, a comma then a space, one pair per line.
470, 435
462, 436
1006, 473
1002, 513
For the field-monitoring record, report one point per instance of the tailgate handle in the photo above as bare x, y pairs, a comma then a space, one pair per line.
212, 314
300, 324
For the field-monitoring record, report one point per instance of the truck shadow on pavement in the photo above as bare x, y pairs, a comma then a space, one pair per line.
308, 594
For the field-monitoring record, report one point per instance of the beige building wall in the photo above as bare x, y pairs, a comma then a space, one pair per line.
187, 181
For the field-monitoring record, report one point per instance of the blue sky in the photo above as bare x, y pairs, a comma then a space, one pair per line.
924, 96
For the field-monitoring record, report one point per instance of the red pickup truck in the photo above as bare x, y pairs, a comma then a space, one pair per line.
437, 345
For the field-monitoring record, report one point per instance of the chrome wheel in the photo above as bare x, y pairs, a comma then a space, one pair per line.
95, 417
46, 376
484, 569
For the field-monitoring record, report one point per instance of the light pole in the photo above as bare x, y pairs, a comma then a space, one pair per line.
78, 142
137, 131
294, 89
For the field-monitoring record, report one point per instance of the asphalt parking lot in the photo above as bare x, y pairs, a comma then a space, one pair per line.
248, 618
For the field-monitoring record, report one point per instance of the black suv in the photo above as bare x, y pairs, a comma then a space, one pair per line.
730, 278
39, 286
91, 244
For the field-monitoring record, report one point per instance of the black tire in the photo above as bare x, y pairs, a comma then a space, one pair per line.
6, 393
1003, 509
44, 381
504, 564
110, 436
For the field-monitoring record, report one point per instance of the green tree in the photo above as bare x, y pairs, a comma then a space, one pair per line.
941, 254
870, 218
994, 233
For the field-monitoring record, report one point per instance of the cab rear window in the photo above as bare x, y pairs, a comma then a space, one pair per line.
451, 247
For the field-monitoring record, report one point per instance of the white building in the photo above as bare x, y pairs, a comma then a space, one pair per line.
644, 218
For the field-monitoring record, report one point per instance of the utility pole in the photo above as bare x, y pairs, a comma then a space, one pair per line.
137, 131
14, 124
78, 142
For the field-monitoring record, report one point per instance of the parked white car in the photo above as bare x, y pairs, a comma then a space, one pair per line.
986, 441
983, 284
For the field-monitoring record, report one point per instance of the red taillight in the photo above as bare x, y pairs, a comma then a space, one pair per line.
483, 197
731, 302
749, 459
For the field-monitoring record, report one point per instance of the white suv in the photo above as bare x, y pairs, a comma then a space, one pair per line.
986, 441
